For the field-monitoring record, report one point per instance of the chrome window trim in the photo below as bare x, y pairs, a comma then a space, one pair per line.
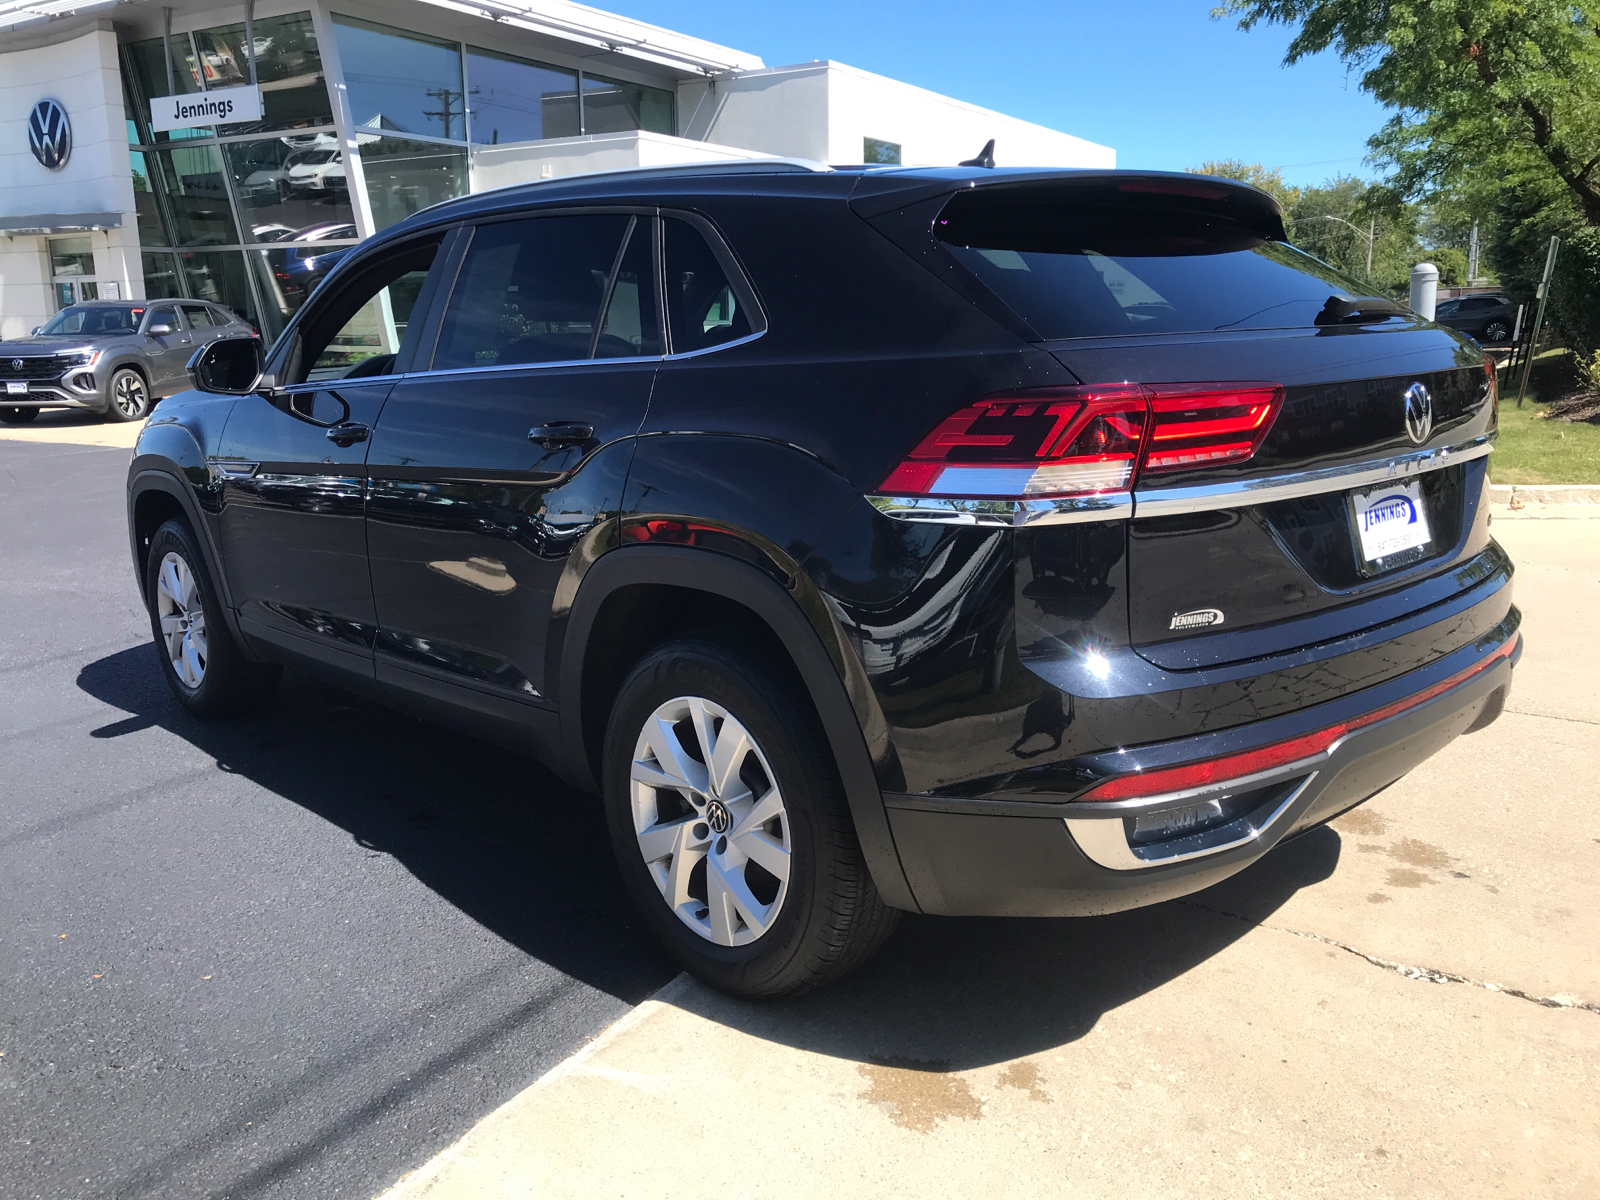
535, 366
1062, 510
1209, 497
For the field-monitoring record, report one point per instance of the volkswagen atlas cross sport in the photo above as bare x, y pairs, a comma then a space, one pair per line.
109, 357
961, 541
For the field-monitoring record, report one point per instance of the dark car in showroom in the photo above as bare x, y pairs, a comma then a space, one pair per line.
116, 358
1491, 319
867, 540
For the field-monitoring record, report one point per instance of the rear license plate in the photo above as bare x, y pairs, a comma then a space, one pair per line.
16, 389
1389, 520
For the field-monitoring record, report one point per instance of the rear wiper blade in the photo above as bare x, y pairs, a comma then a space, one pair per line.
1357, 310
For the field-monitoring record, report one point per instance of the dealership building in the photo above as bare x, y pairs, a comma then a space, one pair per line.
223, 152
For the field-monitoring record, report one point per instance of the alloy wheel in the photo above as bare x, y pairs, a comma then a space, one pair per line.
710, 821
183, 620
128, 394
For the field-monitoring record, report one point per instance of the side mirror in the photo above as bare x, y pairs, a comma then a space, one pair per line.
228, 367
36, 328
158, 329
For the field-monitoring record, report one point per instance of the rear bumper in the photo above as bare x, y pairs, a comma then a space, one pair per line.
976, 857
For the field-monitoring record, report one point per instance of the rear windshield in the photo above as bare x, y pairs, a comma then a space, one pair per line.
1094, 263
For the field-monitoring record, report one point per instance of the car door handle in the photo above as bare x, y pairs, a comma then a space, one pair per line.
559, 434
348, 434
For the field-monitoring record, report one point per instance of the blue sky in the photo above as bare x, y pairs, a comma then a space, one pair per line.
1159, 80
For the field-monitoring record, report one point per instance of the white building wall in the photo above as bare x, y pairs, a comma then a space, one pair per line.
824, 110
83, 76
511, 163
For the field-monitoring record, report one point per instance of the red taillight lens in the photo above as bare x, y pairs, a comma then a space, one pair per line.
1048, 442
1265, 758
1492, 370
1051, 442
1204, 425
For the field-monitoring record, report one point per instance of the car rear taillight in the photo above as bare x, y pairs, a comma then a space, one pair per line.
1032, 444
1491, 369
1052, 442
1203, 425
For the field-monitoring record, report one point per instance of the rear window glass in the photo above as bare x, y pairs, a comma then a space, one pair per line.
1094, 263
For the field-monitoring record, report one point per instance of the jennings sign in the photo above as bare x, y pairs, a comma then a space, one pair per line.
220, 107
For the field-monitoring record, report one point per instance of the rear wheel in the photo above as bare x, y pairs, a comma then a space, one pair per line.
1496, 331
12, 415
130, 396
731, 828
202, 664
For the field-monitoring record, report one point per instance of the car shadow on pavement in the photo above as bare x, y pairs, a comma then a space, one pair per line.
501, 838
494, 833
954, 993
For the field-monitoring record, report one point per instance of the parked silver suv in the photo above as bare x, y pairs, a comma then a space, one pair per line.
108, 356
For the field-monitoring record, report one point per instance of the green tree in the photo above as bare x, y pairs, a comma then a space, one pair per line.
1510, 88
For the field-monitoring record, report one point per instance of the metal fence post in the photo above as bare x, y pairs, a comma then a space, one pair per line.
1543, 296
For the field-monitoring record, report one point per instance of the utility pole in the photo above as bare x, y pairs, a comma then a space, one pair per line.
1472, 255
1372, 233
1542, 295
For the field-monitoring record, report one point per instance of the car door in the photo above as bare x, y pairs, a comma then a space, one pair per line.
508, 455
291, 465
204, 325
167, 353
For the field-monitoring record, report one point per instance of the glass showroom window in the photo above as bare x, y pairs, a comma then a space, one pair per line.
876, 150
70, 260
401, 82
510, 100
294, 92
143, 61
611, 106
404, 176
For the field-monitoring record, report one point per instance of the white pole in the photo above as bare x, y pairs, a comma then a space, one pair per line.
1424, 289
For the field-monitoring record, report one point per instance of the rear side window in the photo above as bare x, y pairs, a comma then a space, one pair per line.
537, 291
1098, 261
702, 308
199, 316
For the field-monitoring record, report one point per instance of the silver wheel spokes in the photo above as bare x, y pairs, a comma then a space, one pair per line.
183, 620
710, 821
129, 395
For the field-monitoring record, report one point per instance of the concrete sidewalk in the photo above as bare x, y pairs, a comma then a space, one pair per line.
1405, 1004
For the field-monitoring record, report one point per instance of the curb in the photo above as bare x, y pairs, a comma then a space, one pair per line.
1575, 499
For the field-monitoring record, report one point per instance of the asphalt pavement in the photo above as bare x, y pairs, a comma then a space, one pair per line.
291, 955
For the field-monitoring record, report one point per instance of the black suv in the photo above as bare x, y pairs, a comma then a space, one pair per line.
955, 541
1490, 319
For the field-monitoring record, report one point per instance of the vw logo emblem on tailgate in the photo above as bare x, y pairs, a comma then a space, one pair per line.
50, 134
1419, 413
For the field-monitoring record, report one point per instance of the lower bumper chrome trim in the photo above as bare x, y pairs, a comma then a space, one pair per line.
1011, 514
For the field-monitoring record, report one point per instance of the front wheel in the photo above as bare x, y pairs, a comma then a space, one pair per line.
12, 415
731, 827
202, 664
130, 396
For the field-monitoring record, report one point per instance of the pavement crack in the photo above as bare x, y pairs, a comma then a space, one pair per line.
1424, 974
1522, 712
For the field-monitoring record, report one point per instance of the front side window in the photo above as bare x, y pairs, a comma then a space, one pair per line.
702, 307
533, 291
163, 316
357, 331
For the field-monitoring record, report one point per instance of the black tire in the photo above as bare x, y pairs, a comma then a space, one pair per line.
831, 917
228, 682
130, 396
1496, 332
12, 415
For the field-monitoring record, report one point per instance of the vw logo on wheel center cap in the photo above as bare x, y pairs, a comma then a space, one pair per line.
1419, 413
718, 816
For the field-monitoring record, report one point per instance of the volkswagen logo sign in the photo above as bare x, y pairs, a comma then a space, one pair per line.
16, 364
1419, 413
50, 134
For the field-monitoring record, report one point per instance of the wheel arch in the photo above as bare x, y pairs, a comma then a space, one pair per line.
637, 597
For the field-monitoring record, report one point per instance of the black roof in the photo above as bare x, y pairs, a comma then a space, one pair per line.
869, 188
